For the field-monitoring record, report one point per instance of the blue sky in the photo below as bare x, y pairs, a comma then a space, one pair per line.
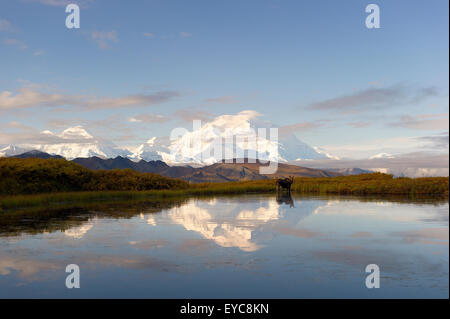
309, 66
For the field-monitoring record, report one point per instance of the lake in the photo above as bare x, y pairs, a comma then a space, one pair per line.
252, 246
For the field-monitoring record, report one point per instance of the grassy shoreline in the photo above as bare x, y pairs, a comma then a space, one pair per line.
41, 182
22, 201
360, 185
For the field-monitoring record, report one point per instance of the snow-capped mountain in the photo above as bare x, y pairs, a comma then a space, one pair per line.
292, 149
71, 143
152, 150
325, 153
225, 137
77, 142
12, 150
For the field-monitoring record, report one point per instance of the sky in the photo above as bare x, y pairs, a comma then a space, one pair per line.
138, 69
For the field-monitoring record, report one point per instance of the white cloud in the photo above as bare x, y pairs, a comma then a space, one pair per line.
148, 118
185, 34
27, 97
393, 145
5, 26
38, 52
32, 96
104, 38
14, 42
375, 98
438, 141
430, 122
416, 164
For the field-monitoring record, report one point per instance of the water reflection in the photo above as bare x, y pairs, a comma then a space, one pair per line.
233, 231
285, 198
77, 220
80, 231
247, 246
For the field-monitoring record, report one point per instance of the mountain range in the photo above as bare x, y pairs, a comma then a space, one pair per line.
217, 172
190, 156
196, 147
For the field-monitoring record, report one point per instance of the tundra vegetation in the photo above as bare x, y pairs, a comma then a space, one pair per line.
34, 181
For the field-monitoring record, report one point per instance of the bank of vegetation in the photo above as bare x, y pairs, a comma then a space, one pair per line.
373, 184
35, 175
33, 182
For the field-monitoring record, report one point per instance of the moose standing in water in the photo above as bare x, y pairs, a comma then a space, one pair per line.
285, 183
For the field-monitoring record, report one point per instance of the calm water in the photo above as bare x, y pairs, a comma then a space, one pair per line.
239, 247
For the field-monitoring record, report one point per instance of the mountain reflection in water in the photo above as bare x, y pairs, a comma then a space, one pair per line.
243, 246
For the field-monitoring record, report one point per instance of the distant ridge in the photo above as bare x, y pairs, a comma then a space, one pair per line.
36, 154
249, 170
238, 170
120, 163
218, 172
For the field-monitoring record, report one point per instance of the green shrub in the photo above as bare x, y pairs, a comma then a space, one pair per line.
34, 175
